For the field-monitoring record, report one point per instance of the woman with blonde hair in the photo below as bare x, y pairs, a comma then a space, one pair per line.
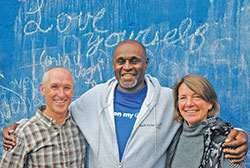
198, 142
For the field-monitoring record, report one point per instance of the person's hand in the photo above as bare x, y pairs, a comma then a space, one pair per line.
8, 141
236, 146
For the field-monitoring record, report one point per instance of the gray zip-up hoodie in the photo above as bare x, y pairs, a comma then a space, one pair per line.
152, 133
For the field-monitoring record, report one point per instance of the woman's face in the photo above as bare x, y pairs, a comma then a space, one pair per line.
192, 107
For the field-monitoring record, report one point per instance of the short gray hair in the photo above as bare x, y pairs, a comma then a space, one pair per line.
46, 76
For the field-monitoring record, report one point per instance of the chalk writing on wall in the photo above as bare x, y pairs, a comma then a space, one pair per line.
180, 38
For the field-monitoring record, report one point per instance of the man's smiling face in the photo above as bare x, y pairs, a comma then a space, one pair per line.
130, 63
58, 91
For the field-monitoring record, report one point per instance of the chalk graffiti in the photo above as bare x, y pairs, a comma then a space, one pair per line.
32, 23
80, 70
12, 105
67, 24
98, 56
83, 44
20, 97
63, 21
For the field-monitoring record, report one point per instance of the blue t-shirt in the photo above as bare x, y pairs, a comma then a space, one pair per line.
126, 108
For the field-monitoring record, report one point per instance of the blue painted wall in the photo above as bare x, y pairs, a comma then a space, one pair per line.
208, 37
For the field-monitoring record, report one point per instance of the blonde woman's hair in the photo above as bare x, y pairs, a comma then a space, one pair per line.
200, 86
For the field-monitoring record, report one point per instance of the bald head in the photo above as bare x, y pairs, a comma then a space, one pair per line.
46, 74
130, 42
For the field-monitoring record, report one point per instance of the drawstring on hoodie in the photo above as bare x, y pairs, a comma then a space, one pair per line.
155, 130
98, 134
